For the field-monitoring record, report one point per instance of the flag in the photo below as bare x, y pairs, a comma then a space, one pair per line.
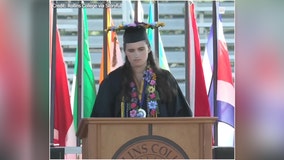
198, 94
114, 58
64, 133
163, 62
207, 64
127, 12
88, 84
225, 86
140, 12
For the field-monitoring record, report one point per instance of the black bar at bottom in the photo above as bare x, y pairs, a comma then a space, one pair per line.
57, 153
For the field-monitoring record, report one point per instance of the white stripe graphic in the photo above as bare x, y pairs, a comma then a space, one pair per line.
207, 71
226, 92
226, 135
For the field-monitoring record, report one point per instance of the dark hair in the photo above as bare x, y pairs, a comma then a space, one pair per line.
165, 84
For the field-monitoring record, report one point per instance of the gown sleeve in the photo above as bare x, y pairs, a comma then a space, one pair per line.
180, 104
106, 98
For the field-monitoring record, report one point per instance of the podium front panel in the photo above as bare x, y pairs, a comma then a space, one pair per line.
161, 138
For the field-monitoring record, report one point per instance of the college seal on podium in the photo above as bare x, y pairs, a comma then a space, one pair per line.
150, 147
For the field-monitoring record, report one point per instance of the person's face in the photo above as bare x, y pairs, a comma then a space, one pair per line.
137, 53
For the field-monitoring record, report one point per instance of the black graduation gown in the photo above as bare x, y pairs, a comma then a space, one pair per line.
108, 103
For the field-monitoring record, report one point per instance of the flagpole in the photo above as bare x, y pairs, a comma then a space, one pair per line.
105, 39
215, 68
53, 75
136, 11
186, 51
80, 67
156, 31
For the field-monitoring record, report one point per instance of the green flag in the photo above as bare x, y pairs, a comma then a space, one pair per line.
88, 83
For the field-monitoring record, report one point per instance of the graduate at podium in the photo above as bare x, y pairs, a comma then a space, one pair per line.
139, 88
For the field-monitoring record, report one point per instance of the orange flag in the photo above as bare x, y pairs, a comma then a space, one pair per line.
114, 57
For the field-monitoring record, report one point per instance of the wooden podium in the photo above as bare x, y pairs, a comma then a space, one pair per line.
146, 138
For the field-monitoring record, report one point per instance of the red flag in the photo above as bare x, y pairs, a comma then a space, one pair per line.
198, 94
63, 118
114, 58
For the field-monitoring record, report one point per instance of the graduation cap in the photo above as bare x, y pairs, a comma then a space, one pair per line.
134, 34
136, 31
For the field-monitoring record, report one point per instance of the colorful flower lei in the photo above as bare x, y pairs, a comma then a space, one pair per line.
151, 93
136, 24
